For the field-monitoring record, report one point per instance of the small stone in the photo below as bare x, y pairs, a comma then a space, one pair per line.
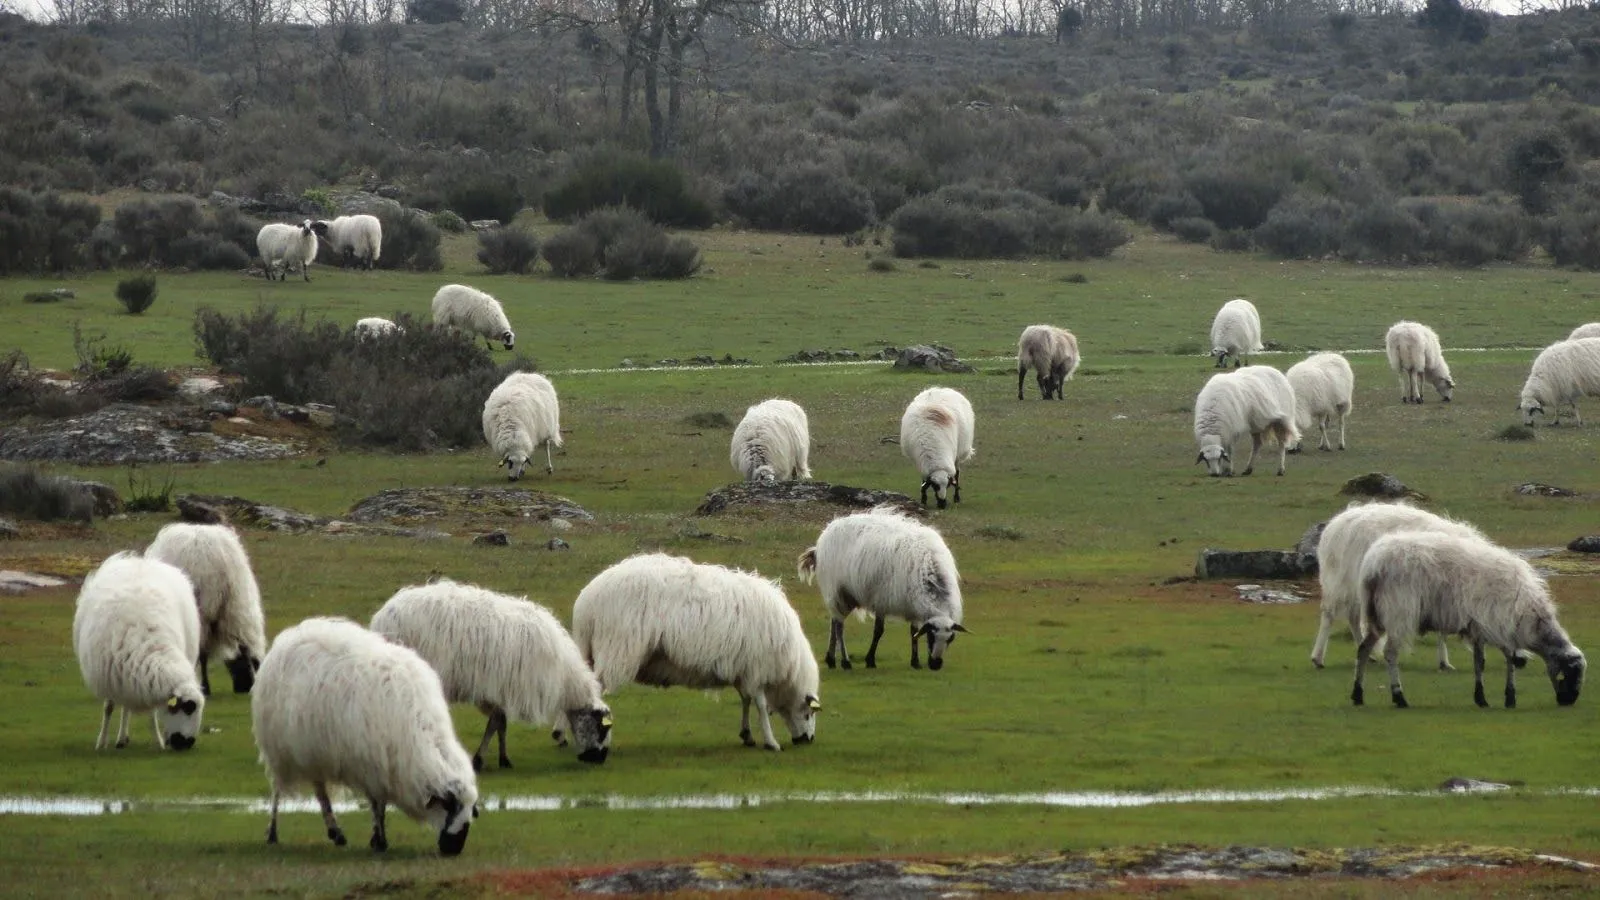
626, 364
559, 524
930, 359
64, 294
9, 529
107, 501
1378, 484
297, 414
557, 544
1589, 543
193, 510
496, 538
484, 224
1273, 565
321, 415
1539, 489
669, 361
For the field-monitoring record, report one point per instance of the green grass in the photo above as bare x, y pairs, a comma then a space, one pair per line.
1086, 671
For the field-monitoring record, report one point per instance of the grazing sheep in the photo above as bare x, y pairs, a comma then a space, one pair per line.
936, 435
1236, 332
1561, 374
772, 442
1415, 355
1323, 388
472, 311
225, 589
669, 621
1256, 401
886, 564
374, 326
136, 633
356, 239
1345, 540
1416, 581
521, 413
283, 246
505, 655
1591, 330
1053, 354
335, 703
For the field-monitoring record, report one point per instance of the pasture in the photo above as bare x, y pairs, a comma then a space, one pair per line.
1095, 665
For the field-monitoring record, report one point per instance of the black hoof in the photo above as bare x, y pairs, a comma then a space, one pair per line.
122, 744
477, 763
1479, 698
846, 665
505, 761
872, 663
1358, 696
916, 664
830, 661
1399, 700
379, 843
773, 747
1511, 700
272, 834
745, 737
337, 837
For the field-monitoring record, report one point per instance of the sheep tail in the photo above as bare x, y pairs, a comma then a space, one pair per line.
807, 568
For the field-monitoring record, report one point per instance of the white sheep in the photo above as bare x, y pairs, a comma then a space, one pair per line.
1345, 540
376, 326
936, 435
505, 655
772, 442
882, 562
1052, 353
1591, 330
472, 311
521, 413
136, 633
283, 246
225, 590
1258, 402
1417, 581
1562, 373
1236, 332
1415, 355
669, 621
356, 239
335, 703
1323, 392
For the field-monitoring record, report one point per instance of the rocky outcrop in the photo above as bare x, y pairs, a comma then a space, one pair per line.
123, 433
412, 505
755, 494
1589, 543
930, 359
214, 509
1271, 565
1378, 484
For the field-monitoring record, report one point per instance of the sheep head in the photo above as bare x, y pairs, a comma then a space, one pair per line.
1446, 386
1566, 675
765, 474
591, 729
516, 462
451, 812
941, 632
178, 720
509, 339
940, 483
799, 712
1215, 456
242, 668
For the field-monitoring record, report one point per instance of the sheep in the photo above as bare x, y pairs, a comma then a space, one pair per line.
226, 593
336, 703
1256, 401
883, 563
936, 435
1415, 355
521, 413
282, 246
1561, 374
375, 327
472, 311
356, 239
1345, 540
1416, 581
1236, 332
1590, 330
1323, 388
505, 655
669, 621
772, 442
136, 632
1053, 354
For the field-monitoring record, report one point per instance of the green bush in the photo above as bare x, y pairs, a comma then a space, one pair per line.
1194, 229
1382, 232
1234, 198
410, 241
26, 493
137, 293
656, 188
445, 220
1301, 227
503, 250
620, 243
811, 199
572, 252
1572, 236
174, 232
977, 222
484, 195
43, 233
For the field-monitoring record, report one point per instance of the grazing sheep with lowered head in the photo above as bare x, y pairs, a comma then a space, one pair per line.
521, 413
1323, 390
282, 247
1416, 356
1562, 373
1591, 330
669, 621
936, 435
335, 703
1236, 332
136, 633
375, 326
1258, 402
472, 311
772, 442
231, 621
1052, 353
886, 564
1416, 581
356, 240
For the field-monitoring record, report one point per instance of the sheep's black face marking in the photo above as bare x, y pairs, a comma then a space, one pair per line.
243, 669
180, 742
457, 822
1568, 681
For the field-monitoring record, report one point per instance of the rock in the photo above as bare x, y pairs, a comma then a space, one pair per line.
199, 387
321, 415
625, 364
350, 203
107, 502
1308, 543
484, 224
1460, 785
756, 494
930, 359
222, 409
695, 532
1377, 484
1538, 489
1255, 593
496, 538
408, 505
1271, 565
561, 525
557, 544
297, 414
702, 360
212, 509
666, 363
40, 297
1589, 543
218, 199
124, 433
9, 530
22, 582
192, 509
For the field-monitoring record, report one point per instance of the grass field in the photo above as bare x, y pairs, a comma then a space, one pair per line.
1091, 668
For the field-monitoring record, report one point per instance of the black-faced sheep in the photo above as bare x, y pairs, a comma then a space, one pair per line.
936, 435
1258, 402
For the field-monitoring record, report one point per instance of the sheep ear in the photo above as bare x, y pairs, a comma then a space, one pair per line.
1199, 458
959, 627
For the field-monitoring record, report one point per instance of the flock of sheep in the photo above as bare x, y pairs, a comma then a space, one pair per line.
368, 707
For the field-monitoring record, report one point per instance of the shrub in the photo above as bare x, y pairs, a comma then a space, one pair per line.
1301, 227
1231, 240
649, 253
47, 498
503, 250
150, 229
812, 199
1472, 234
978, 222
137, 293
881, 264
146, 495
409, 242
1234, 198
42, 233
110, 375
484, 195
571, 252
445, 220
1573, 237
1382, 232
656, 188
1194, 229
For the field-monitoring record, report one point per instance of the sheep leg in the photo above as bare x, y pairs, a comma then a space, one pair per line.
272, 821
1511, 681
1575, 416
205, 677
122, 730
1022, 373
1444, 656
477, 756
916, 662
334, 833
549, 465
380, 840
1255, 446
1477, 675
1363, 650
155, 729
836, 637
501, 719
1283, 449
1391, 655
769, 742
744, 720
955, 482
877, 635
1319, 648
105, 726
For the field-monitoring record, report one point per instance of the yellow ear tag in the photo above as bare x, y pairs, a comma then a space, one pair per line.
605, 721
172, 704
814, 704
